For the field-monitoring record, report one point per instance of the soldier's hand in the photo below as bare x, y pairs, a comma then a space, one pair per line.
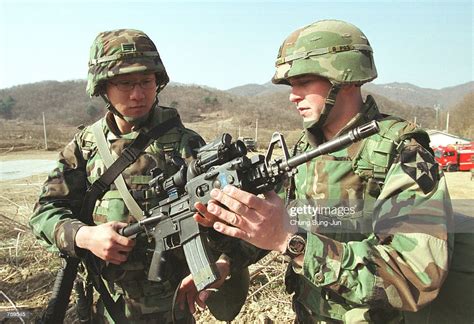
104, 241
264, 223
188, 294
203, 217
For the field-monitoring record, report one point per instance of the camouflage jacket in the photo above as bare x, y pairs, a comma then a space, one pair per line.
377, 240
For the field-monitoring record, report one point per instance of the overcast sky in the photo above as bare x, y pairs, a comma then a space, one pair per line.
223, 44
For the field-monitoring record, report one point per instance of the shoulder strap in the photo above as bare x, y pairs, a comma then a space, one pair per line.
377, 153
128, 156
108, 159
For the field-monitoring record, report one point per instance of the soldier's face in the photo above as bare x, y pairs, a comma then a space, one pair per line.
308, 93
132, 94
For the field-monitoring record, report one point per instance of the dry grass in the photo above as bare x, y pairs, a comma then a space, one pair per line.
28, 271
20, 135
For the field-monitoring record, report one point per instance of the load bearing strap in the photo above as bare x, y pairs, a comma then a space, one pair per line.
108, 159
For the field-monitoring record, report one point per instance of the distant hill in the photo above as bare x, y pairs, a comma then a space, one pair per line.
216, 111
425, 97
67, 103
405, 93
253, 89
462, 117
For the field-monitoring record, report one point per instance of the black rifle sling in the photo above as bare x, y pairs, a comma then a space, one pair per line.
128, 156
97, 190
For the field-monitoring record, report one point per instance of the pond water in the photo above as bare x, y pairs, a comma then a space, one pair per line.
16, 169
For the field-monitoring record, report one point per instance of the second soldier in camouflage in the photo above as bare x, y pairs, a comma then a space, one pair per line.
386, 256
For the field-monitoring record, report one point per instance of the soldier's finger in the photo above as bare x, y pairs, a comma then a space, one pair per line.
200, 207
272, 198
124, 253
232, 204
113, 261
203, 216
202, 220
181, 297
202, 297
118, 225
190, 299
116, 259
124, 241
123, 248
230, 231
119, 256
250, 200
226, 215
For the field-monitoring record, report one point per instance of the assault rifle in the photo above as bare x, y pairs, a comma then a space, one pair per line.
170, 224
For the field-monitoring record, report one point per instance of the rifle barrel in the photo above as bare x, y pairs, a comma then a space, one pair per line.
335, 144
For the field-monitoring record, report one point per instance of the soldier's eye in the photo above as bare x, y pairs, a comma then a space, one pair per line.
125, 83
147, 84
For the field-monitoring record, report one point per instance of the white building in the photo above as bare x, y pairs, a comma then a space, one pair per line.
439, 138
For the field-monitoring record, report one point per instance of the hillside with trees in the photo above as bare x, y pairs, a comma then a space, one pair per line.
462, 117
404, 93
66, 103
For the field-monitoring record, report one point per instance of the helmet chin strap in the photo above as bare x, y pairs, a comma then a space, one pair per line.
314, 128
135, 121
328, 105
110, 107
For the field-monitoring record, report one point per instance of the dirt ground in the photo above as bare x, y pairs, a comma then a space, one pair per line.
27, 271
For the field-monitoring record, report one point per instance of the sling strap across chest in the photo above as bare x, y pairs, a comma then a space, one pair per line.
108, 159
128, 156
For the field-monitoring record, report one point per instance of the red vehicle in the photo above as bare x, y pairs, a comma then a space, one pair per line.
455, 157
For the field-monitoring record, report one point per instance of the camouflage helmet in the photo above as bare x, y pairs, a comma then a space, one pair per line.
332, 49
123, 51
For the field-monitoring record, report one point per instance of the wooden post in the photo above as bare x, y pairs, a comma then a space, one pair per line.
436, 107
447, 122
256, 130
44, 130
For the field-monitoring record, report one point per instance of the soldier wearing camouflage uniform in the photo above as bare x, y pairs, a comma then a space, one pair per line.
125, 69
387, 255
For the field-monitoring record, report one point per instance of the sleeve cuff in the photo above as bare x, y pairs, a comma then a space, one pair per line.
64, 236
322, 260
